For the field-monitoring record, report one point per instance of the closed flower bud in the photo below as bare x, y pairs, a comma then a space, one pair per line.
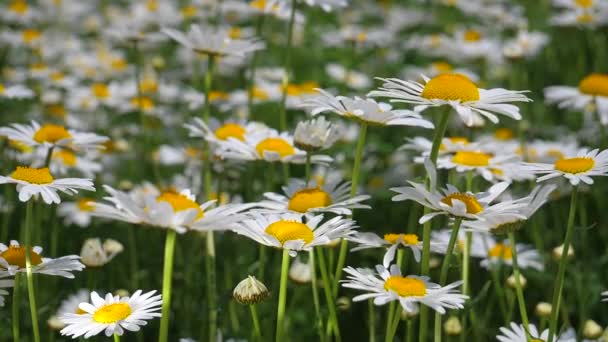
55, 323
343, 303
315, 134
543, 309
511, 281
250, 291
559, 251
452, 326
434, 262
96, 254
300, 272
592, 330
122, 293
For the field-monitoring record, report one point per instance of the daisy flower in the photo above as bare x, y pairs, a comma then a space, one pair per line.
480, 162
457, 91
289, 231
68, 306
386, 285
501, 224
63, 161
333, 196
31, 182
452, 202
478, 242
214, 42
216, 131
448, 145
525, 45
78, 212
364, 110
392, 241
435, 69
96, 254
498, 253
51, 135
315, 134
16, 91
582, 167
5, 284
353, 79
591, 95
268, 145
112, 314
12, 261
516, 333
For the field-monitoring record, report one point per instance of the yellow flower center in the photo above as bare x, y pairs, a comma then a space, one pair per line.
454, 140
230, 130
67, 157
38, 67
473, 206
361, 37
302, 88
503, 134
32, 175
501, 251
469, 158
51, 133
148, 85
594, 84
234, 33
142, 102
2, 89
584, 3
112, 313
574, 165
442, 67
57, 110
258, 4
86, 204
260, 94
278, 145
408, 239
20, 146
307, 199
289, 230
29, 36
215, 95
472, 36
57, 76
15, 256
118, 64
189, 11
18, 6
555, 153
405, 287
100, 90
451, 87
180, 202
585, 19
152, 5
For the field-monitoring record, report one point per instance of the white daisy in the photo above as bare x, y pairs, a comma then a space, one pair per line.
31, 182
16, 91
448, 145
392, 241
502, 253
480, 162
289, 231
51, 135
94, 253
78, 212
5, 284
582, 167
112, 314
315, 134
364, 110
591, 95
453, 202
333, 196
386, 286
352, 78
217, 131
525, 45
457, 91
12, 261
516, 333
214, 42
63, 161
479, 241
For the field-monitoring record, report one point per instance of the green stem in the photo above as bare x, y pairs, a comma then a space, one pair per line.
28, 266
426, 228
390, 335
445, 267
252, 67
518, 288
353, 192
329, 296
116, 338
211, 286
307, 169
282, 296
167, 275
315, 294
559, 281
286, 63
372, 320
49, 156
257, 332
15, 304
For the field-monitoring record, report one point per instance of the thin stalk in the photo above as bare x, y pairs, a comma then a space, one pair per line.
410, 330
257, 332
252, 68
282, 296
167, 275
211, 286
49, 156
559, 281
315, 294
286, 64
426, 228
445, 267
353, 192
372, 320
116, 338
518, 288
28, 266
15, 304
390, 335
331, 303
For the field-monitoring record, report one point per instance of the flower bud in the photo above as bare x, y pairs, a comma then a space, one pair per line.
300, 272
250, 291
511, 281
452, 326
122, 293
592, 330
55, 323
343, 303
434, 262
543, 310
559, 251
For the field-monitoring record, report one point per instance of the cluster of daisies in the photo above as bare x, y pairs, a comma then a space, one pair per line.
177, 116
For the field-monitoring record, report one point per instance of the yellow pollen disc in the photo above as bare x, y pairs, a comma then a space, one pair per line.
278, 145
180, 202
442, 67
234, 33
51, 133
584, 3
57, 76
473, 206
118, 64
260, 94
86, 204
503, 134
307, 199
472, 36
309, 87
2, 89
152, 5
405, 287
20, 146
57, 110
189, 11
215, 95
585, 19
15, 256
112, 313
29, 36
258, 4
19, 6
451, 87
142, 102
594, 84
32, 175
408, 239
67, 157
574, 165
454, 140
289, 230
100, 90
555, 153
361, 37
38, 67
148, 85
230, 130
501, 251
468, 158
